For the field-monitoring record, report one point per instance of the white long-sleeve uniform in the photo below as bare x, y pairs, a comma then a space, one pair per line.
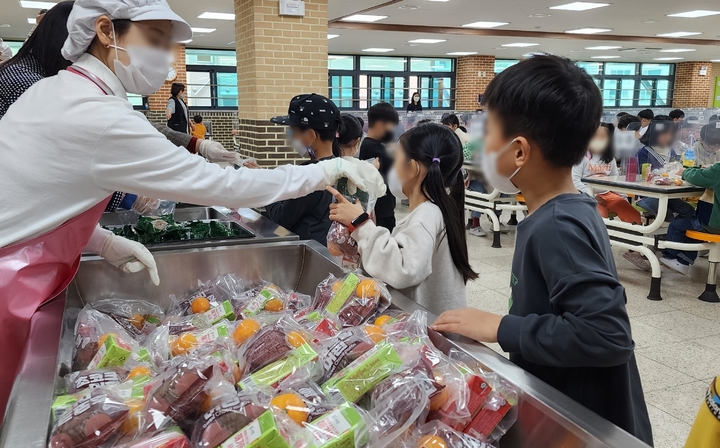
66, 146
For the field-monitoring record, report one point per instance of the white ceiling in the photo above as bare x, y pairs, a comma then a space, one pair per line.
624, 17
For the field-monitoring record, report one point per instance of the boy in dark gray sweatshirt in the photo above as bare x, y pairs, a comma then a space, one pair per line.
567, 323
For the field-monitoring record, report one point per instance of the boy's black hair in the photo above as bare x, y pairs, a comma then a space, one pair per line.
450, 120
659, 125
382, 112
45, 43
714, 118
609, 154
676, 113
634, 126
621, 114
463, 128
710, 134
197, 118
176, 88
647, 114
550, 101
424, 121
427, 144
625, 120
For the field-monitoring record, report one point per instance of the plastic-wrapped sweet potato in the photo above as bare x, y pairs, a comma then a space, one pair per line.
231, 415
90, 422
100, 341
92, 379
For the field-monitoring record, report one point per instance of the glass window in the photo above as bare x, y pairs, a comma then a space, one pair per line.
609, 92
502, 64
627, 92
199, 89
442, 88
341, 62
341, 91
227, 89
382, 64
593, 68
657, 69
662, 93
224, 58
646, 91
431, 65
620, 68
14, 46
135, 100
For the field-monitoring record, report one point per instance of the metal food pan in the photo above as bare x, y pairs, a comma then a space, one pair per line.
546, 418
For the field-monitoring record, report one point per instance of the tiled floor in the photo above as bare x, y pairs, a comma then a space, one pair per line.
677, 339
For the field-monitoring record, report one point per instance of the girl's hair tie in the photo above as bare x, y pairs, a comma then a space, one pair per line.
436, 160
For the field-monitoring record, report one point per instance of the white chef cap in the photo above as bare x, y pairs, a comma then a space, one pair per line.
81, 23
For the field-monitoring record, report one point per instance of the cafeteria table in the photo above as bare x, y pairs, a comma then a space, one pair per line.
643, 238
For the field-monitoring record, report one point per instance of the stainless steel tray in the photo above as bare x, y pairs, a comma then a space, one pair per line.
547, 419
254, 227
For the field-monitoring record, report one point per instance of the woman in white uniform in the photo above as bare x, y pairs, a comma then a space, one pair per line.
73, 139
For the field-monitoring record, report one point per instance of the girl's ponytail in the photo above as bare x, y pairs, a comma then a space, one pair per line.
439, 149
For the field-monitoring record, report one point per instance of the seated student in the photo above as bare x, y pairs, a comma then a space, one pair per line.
706, 149
677, 115
199, 130
453, 122
625, 120
657, 151
426, 255
568, 324
646, 116
382, 120
314, 120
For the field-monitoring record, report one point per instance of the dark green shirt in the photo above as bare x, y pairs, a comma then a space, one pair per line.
707, 178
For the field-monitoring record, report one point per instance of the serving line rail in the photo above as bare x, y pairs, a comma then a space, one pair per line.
489, 203
546, 418
642, 238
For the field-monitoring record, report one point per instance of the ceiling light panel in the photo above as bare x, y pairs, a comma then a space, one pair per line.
378, 50
366, 18
695, 14
679, 34
604, 47
462, 53
668, 59
32, 20
677, 50
485, 24
37, 5
605, 57
520, 45
217, 16
203, 30
589, 30
427, 41
332, 36
580, 6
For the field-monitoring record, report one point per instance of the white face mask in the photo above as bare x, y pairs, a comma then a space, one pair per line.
416, 98
395, 185
147, 71
494, 178
598, 145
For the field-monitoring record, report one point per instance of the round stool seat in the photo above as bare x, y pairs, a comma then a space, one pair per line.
703, 236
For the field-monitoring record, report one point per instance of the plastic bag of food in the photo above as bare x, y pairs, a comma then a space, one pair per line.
92, 379
100, 341
389, 317
339, 428
338, 352
184, 343
169, 438
93, 420
232, 414
214, 297
341, 245
297, 301
396, 412
270, 430
138, 317
178, 393
353, 298
498, 413
302, 400
275, 353
270, 298
667, 175
439, 435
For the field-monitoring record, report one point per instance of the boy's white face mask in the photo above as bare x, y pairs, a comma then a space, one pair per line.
496, 180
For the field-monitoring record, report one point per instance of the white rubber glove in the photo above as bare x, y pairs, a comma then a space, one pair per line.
129, 256
338, 168
144, 205
374, 183
215, 152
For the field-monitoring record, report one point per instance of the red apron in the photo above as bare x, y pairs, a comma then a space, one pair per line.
35, 271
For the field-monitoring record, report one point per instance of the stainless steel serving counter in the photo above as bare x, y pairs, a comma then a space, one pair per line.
261, 228
546, 418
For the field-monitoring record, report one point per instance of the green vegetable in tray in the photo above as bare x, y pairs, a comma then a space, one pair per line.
150, 230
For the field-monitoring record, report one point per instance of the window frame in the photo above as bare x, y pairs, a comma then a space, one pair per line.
213, 70
356, 73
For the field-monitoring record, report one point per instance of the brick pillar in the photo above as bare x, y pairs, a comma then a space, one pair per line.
278, 57
158, 100
474, 73
691, 88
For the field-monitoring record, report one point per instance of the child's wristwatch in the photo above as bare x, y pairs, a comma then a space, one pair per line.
357, 222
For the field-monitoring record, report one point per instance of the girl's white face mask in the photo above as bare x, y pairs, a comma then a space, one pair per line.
147, 71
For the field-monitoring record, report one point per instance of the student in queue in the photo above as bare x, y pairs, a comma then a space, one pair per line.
38, 58
117, 47
453, 122
646, 116
658, 151
351, 136
426, 255
382, 120
567, 323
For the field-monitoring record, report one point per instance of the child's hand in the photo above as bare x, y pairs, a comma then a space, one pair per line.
343, 211
470, 322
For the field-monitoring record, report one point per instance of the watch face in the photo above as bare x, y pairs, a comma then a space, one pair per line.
172, 74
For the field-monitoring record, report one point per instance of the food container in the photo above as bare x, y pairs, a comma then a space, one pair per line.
546, 418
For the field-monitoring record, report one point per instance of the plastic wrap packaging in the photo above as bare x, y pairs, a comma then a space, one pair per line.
296, 390
439, 435
170, 438
270, 298
337, 429
209, 297
667, 175
138, 317
270, 430
100, 342
497, 415
395, 413
90, 422
353, 299
228, 417
338, 352
92, 379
